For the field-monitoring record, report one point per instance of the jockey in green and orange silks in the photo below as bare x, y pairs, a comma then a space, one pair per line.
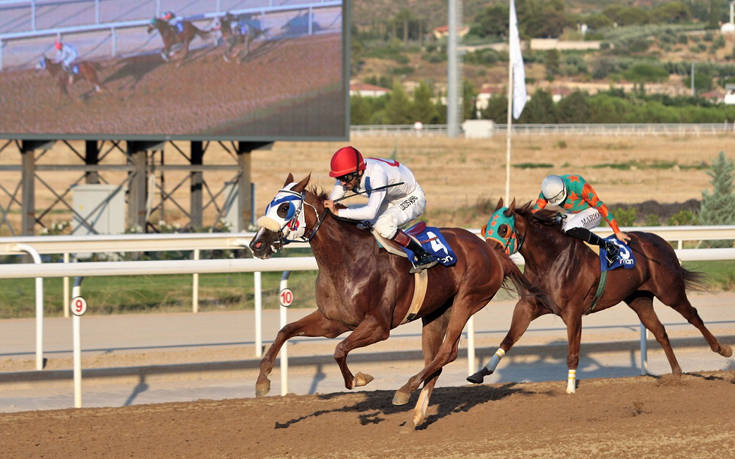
581, 209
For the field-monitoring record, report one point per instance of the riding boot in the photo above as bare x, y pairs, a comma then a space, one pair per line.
586, 235
423, 259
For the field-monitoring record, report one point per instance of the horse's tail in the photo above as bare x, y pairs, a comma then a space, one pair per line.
203, 34
693, 280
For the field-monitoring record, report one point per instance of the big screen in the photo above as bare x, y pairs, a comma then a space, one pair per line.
165, 69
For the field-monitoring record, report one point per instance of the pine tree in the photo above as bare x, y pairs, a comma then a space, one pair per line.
718, 208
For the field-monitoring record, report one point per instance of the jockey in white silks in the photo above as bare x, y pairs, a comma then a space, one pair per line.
394, 197
66, 54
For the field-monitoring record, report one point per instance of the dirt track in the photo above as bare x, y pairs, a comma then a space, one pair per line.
204, 96
642, 417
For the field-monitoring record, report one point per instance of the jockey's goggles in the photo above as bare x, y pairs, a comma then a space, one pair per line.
347, 178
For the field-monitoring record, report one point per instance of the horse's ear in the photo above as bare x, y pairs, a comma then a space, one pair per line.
289, 179
500, 204
511, 208
302, 184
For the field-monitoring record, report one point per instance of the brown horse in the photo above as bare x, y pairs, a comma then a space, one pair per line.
362, 288
87, 71
570, 272
237, 37
171, 36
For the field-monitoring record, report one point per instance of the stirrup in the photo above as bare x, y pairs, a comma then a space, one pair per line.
427, 262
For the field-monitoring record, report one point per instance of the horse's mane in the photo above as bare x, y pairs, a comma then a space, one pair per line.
545, 217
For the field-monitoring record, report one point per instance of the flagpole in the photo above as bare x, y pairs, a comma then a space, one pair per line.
510, 113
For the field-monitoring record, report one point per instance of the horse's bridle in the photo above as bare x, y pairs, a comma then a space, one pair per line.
289, 223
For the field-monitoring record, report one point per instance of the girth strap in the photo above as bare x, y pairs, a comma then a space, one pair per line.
599, 292
420, 283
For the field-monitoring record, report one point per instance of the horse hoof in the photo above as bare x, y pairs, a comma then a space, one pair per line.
401, 398
479, 377
263, 388
361, 379
725, 350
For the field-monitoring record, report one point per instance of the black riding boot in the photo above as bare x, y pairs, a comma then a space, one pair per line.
586, 235
424, 260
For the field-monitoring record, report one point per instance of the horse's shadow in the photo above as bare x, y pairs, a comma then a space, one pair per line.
377, 405
135, 68
262, 49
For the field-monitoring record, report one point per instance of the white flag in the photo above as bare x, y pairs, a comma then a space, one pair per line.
519, 75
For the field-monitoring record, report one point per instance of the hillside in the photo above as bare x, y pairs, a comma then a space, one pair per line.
393, 40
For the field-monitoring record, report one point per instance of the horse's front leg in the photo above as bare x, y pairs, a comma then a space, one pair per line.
369, 331
461, 311
574, 336
524, 312
314, 324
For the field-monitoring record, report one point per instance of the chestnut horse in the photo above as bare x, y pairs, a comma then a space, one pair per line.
171, 36
570, 272
363, 288
87, 71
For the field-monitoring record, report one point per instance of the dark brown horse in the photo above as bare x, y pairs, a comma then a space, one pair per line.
237, 38
87, 71
570, 272
362, 288
171, 36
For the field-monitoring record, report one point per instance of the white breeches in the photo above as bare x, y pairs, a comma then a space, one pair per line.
396, 213
588, 218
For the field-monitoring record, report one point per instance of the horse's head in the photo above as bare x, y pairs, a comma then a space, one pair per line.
285, 218
501, 228
42, 64
155, 24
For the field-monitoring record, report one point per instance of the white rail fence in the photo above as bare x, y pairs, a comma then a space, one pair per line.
413, 130
196, 242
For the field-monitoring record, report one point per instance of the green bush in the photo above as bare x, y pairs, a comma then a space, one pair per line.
682, 218
652, 220
624, 217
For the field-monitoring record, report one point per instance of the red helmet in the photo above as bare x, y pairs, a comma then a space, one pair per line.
346, 160
58, 44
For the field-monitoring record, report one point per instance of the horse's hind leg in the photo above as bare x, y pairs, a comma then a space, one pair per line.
677, 299
314, 324
642, 304
369, 331
523, 314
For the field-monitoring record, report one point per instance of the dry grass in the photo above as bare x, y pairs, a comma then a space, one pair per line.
455, 173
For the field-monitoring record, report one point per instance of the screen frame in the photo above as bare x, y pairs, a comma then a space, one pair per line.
346, 13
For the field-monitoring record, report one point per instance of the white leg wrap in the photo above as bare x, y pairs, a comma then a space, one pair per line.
572, 382
495, 359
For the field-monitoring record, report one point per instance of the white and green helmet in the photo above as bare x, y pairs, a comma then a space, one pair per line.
554, 190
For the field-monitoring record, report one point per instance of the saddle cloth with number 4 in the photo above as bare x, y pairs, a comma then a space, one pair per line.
432, 240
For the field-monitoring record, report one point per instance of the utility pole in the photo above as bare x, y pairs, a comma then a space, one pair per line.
692, 81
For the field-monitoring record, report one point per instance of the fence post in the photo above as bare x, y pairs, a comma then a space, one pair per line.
39, 306
471, 366
258, 314
195, 287
76, 326
66, 288
283, 322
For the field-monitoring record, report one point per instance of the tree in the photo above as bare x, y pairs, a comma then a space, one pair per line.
424, 109
718, 207
491, 22
575, 108
540, 109
551, 60
398, 110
